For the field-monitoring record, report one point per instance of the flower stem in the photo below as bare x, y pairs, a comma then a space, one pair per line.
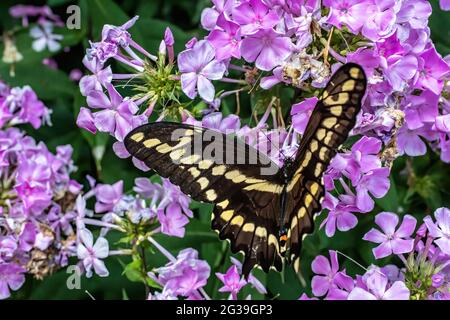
229, 80
123, 76
103, 224
142, 50
163, 250
238, 68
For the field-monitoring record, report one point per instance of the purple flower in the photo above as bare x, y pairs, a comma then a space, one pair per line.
251, 278
169, 41
11, 278
51, 63
216, 121
8, 246
185, 275
172, 221
375, 286
165, 295
326, 273
340, 213
198, 67
362, 159
392, 241
433, 68
393, 273
381, 20
445, 5
301, 112
118, 114
44, 14
108, 196
168, 37
267, 48
440, 230
438, 280
75, 74
442, 123
421, 110
173, 195
102, 51
410, 143
343, 285
253, 16
45, 38
210, 15
226, 40
35, 197
146, 189
375, 182
366, 58
27, 237
232, 281
21, 105
95, 81
304, 296
399, 70
414, 15
352, 13
85, 120
91, 254
118, 34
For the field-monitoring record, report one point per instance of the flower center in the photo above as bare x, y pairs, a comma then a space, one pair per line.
267, 41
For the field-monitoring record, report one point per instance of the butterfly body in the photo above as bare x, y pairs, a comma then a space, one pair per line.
262, 209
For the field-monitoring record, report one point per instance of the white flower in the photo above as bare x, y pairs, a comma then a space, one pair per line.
91, 254
45, 38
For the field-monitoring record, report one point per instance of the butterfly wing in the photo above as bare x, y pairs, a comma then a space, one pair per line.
330, 123
212, 167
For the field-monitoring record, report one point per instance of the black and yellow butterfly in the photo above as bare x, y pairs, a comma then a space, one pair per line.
265, 215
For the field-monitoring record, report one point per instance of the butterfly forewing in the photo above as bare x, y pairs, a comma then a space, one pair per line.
331, 121
221, 169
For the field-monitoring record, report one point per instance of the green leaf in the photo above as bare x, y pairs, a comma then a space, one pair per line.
105, 12
133, 271
390, 201
440, 28
47, 83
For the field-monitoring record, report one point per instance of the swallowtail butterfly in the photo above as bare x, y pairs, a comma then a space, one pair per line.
263, 215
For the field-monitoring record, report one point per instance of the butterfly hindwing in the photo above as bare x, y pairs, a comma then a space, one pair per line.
256, 235
330, 123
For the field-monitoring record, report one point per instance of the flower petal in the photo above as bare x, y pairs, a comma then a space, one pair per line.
205, 89
321, 265
407, 227
360, 294
398, 291
387, 222
101, 248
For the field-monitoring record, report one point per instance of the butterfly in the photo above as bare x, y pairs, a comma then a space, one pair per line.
262, 209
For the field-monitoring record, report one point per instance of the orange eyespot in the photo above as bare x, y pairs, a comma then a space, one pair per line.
283, 237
